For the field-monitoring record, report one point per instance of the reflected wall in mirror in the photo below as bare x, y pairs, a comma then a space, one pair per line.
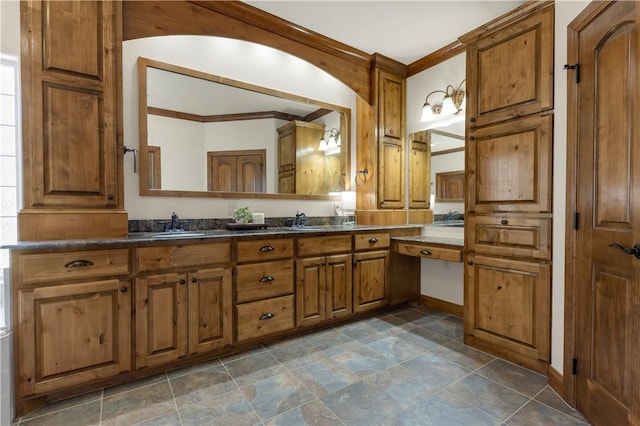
206, 135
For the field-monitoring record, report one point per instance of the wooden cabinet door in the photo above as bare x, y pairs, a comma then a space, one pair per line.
370, 280
286, 148
339, 289
507, 309
161, 319
310, 291
70, 74
287, 182
72, 334
420, 173
510, 71
210, 305
391, 145
509, 166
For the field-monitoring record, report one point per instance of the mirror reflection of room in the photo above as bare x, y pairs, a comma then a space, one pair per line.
222, 135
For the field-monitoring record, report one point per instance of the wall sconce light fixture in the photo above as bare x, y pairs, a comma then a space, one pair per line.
332, 142
453, 101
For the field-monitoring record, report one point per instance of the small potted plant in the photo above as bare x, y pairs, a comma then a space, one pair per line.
243, 215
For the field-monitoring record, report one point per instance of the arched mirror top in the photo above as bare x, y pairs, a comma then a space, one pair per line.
269, 104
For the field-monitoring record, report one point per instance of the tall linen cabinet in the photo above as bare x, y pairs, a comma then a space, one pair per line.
507, 297
72, 130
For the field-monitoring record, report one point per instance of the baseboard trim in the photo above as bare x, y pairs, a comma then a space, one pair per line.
556, 381
442, 305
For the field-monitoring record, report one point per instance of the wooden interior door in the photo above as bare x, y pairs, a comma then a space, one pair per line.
608, 200
237, 171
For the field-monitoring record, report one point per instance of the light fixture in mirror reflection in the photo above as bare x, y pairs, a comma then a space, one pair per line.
331, 143
446, 106
206, 135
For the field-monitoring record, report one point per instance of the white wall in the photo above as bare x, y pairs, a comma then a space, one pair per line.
10, 24
565, 12
439, 279
234, 59
181, 151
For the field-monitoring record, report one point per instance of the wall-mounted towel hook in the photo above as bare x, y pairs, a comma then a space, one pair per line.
135, 156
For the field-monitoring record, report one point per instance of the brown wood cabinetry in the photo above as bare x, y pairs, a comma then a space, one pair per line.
391, 140
509, 183
93, 299
300, 163
186, 310
509, 310
522, 85
370, 271
264, 288
509, 166
382, 151
440, 252
323, 281
72, 144
180, 314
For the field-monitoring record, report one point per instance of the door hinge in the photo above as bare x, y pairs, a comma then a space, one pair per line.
574, 366
576, 68
576, 221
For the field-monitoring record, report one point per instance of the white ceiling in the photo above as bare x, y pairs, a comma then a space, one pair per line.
402, 30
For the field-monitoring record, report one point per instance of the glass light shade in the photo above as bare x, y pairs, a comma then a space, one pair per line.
447, 106
332, 142
427, 114
323, 145
463, 104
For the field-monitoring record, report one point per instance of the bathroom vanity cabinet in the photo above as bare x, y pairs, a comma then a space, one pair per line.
323, 278
264, 287
91, 313
72, 319
183, 301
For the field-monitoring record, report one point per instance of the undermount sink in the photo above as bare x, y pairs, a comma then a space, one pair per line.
450, 223
168, 234
177, 234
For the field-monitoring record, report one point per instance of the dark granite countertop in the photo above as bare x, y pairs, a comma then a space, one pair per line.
211, 234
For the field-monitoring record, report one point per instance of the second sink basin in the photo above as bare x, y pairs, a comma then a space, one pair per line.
178, 234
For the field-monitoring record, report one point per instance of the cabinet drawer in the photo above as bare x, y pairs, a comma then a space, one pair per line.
371, 241
430, 251
510, 236
263, 280
257, 319
264, 249
324, 245
167, 257
50, 267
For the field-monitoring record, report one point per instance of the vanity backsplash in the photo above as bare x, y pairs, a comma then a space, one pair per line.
159, 225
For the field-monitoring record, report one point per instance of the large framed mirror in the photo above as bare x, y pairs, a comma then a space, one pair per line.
204, 135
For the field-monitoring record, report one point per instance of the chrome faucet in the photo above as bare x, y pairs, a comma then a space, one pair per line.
174, 225
451, 215
301, 218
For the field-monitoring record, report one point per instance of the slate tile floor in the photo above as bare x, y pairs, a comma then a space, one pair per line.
405, 367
